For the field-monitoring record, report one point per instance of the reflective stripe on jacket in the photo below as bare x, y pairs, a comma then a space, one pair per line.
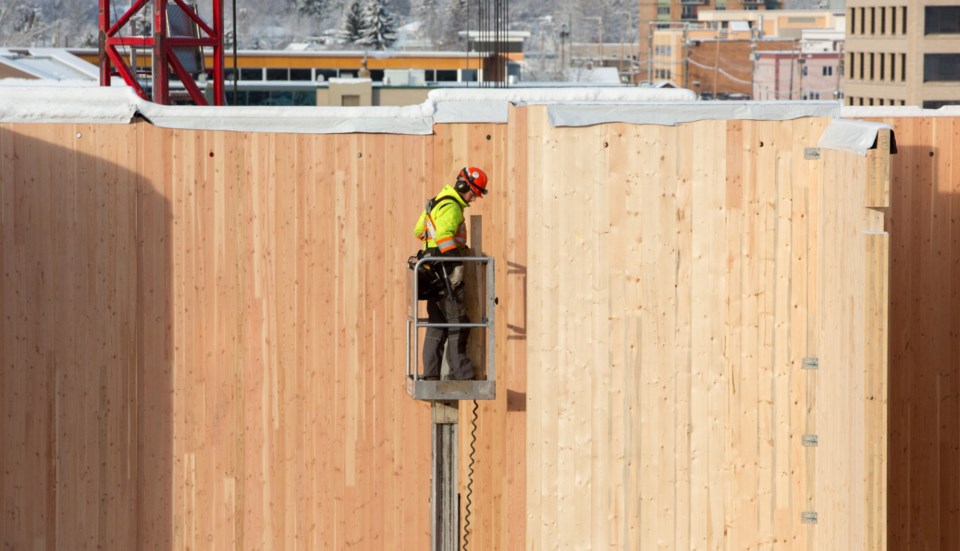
444, 227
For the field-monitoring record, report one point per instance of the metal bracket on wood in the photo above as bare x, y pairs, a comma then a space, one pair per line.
810, 440
811, 363
808, 517
811, 153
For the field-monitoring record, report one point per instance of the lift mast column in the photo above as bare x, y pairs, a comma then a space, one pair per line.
444, 397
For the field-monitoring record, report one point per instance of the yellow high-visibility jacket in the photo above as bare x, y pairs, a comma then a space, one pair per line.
443, 227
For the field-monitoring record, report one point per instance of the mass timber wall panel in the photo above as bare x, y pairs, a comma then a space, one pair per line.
851, 475
677, 275
218, 361
203, 339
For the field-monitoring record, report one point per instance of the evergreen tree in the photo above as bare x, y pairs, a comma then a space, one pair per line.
379, 28
351, 24
316, 9
431, 20
457, 19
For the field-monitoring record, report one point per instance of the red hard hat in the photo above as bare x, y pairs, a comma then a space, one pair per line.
476, 178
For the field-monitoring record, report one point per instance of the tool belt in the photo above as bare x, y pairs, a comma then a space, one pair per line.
430, 282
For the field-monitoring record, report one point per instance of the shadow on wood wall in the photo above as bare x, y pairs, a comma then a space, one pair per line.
85, 343
924, 396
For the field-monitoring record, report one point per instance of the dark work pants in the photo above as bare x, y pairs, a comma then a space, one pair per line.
442, 310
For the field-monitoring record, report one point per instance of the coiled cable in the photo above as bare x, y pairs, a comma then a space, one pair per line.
469, 493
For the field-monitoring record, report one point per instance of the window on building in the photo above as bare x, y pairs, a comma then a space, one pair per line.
814, 95
300, 74
873, 20
663, 10
873, 66
446, 75
827, 71
937, 104
903, 20
903, 67
893, 20
883, 20
278, 74
862, 72
941, 67
251, 74
893, 67
852, 29
941, 20
276, 97
883, 68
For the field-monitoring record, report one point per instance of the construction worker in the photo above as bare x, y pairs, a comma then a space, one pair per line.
443, 231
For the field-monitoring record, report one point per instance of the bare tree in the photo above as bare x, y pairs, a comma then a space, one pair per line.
21, 24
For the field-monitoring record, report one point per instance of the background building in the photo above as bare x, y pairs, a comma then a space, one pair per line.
903, 54
811, 73
717, 55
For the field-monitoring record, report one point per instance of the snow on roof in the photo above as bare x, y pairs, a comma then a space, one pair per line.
903, 111
49, 64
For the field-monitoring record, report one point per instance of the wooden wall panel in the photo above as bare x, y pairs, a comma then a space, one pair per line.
221, 361
695, 249
851, 473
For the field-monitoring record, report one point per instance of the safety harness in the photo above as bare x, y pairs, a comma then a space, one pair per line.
430, 228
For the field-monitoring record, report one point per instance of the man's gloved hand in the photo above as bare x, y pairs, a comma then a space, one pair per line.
456, 276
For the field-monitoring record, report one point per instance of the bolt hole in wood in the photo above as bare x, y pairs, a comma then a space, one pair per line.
931, 153
359, 155
488, 137
211, 153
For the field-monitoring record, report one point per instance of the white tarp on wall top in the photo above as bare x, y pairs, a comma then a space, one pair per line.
84, 102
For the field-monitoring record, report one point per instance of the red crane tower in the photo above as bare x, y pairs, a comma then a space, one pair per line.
175, 44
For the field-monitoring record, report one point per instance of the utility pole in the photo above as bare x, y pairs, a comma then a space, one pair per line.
600, 29
564, 33
716, 61
802, 64
599, 34
650, 28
